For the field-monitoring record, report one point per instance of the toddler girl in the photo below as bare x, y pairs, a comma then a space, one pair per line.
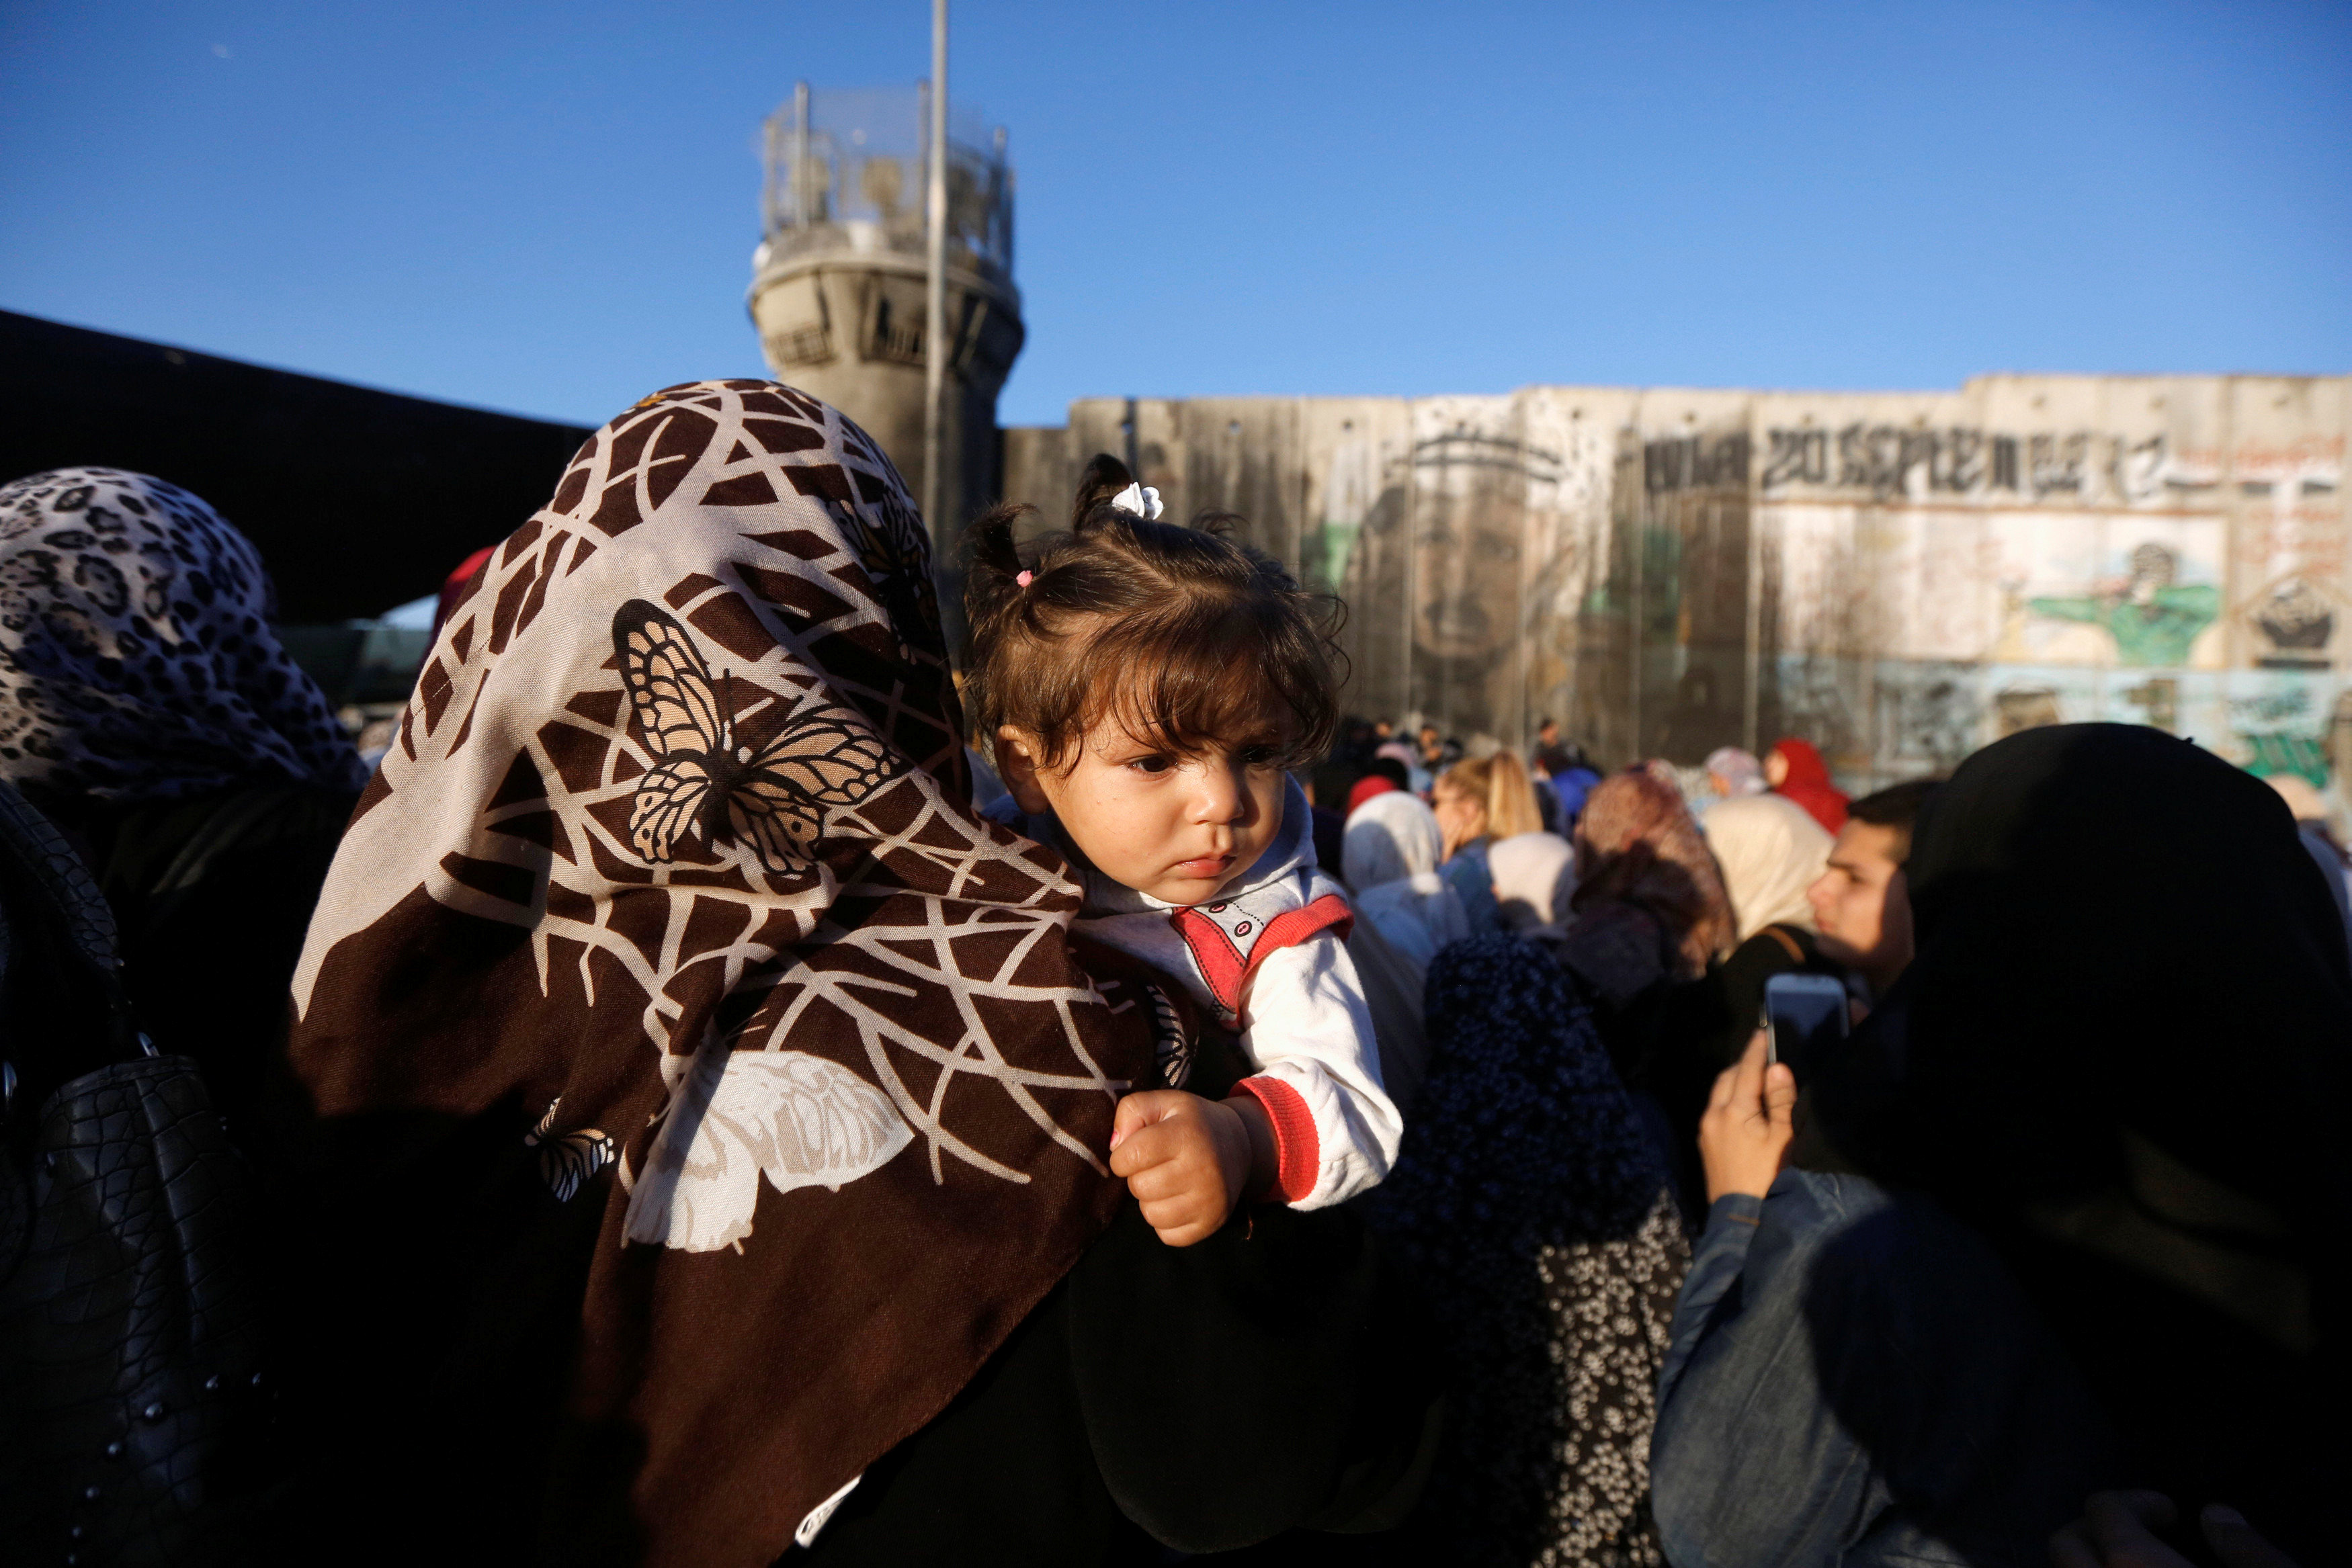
1145, 689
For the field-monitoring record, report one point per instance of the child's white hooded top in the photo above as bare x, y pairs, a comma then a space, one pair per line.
1269, 957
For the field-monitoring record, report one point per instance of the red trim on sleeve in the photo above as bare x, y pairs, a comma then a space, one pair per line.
1297, 1152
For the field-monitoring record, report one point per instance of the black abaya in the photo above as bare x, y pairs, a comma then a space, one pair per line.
2121, 1054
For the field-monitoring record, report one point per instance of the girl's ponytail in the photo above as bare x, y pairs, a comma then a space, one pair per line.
1105, 478
991, 588
991, 540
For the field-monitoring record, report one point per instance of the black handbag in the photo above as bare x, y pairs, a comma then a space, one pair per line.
132, 1410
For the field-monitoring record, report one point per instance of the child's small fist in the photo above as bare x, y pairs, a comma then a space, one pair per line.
1187, 1160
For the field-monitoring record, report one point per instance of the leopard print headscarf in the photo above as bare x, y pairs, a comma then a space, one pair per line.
136, 658
673, 863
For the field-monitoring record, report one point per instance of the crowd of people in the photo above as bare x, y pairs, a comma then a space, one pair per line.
734, 1082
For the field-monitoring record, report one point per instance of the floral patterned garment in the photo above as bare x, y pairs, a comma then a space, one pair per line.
1540, 1219
674, 853
137, 661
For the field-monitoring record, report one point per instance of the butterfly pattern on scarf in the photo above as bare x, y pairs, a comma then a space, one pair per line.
567, 1161
771, 798
893, 554
737, 1115
937, 973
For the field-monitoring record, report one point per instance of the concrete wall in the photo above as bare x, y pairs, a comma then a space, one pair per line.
1898, 577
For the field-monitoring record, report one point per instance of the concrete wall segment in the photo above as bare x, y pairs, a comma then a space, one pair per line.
1900, 577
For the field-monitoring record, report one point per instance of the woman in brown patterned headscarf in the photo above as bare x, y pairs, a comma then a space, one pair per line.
729, 1114
669, 893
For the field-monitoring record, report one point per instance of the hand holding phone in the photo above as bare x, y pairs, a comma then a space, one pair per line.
1751, 1119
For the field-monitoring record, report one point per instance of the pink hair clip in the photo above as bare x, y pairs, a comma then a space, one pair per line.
1023, 579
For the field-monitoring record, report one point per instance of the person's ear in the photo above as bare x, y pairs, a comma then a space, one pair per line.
1016, 764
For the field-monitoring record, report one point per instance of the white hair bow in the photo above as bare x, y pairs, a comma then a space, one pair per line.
1137, 501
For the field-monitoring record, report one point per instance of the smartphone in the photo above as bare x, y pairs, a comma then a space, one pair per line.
1804, 1016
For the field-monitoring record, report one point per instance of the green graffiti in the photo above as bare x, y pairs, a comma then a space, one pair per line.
2153, 634
2277, 753
1323, 556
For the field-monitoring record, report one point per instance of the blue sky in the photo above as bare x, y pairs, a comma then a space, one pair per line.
551, 208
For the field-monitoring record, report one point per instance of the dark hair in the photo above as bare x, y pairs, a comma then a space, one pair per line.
1389, 769
1898, 807
1179, 632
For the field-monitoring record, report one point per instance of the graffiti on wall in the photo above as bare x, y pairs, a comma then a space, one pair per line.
1889, 460
1930, 712
2104, 589
1694, 463
1899, 577
1475, 491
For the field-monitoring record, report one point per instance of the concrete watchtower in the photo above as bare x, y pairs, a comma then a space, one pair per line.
837, 284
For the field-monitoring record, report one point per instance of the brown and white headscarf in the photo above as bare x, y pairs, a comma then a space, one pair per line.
1639, 849
137, 661
673, 859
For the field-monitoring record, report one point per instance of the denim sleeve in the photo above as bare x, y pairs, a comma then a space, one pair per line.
1856, 1378
1716, 1263
1752, 1462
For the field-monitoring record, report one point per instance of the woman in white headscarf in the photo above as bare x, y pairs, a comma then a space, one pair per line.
1389, 859
1535, 873
1771, 851
1405, 913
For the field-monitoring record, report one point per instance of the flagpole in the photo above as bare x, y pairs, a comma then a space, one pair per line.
935, 297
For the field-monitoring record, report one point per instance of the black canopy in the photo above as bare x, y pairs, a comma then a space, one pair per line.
359, 500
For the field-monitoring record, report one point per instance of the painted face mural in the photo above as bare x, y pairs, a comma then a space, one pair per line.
1469, 582
1468, 576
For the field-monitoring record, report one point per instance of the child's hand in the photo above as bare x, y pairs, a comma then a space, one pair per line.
1188, 1160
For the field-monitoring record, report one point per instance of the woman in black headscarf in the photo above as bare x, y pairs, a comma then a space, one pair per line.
2121, 1055
2116, 1062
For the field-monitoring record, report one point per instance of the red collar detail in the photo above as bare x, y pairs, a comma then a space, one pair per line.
1227, 966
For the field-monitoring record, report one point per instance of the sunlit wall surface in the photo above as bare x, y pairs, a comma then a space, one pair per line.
1899, 576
